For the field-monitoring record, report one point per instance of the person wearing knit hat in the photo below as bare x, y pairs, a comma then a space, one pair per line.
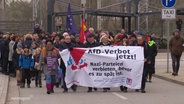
105, 41
19, 45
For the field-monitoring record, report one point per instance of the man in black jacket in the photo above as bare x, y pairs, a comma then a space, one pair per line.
67, 44
5, 52
1, 39
142, 43
91, 42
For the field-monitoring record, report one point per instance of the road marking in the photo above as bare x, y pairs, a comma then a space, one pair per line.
120, 96
22, 98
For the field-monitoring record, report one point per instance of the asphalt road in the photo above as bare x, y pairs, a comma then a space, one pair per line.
158, 92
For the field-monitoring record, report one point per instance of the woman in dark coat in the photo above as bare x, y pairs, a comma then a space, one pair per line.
151, 64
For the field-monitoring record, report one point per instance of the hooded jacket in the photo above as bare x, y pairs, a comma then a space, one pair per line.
26, 61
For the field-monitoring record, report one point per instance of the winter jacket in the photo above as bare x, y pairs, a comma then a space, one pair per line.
45, 59
176, 45
26, 62
65, 45
11, 51
89, 45
28, 42
5, 48
16, 56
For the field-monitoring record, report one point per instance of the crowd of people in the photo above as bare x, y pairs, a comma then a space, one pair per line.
28, 56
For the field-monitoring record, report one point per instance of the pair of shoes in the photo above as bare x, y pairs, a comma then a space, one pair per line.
57, 85
150, 81
28, 86
125, 90
74, 89
65, 91
143, 91
137, 90
105, 90
95, 89
22, 86
90, 90
36, 85
40, 86
48, 92
18, 83
175, 74
121, 88
52, 91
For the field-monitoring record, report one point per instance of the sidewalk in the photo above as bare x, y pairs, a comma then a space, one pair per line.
163, 73
4, 82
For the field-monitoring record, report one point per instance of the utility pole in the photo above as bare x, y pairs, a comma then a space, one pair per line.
129, 18
99, 22
137, 18
147, 21
2, 12
35, 10
3, 4
50, 11
83, 5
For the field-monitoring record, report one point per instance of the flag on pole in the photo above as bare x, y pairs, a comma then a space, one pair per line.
83, 32
70, 24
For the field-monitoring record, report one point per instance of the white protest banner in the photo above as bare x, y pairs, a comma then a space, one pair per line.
105, 66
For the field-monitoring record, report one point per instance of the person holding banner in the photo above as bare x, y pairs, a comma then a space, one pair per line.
123, 42
91, 42
49, 60
67, 44
142, 43
105, 41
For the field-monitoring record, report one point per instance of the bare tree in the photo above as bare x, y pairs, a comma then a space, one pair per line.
19, 10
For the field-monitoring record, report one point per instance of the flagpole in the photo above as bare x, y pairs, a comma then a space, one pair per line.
83, 3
